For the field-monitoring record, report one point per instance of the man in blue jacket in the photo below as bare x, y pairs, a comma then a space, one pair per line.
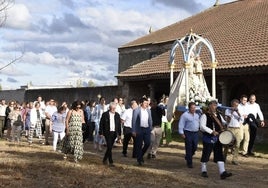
141, 128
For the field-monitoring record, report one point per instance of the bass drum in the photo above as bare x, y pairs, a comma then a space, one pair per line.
227, 138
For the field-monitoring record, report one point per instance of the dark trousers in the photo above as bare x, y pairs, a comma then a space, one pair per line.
43, 126
91, 130
252, 137
127, 136
85, 129
110, 138
217, 151
143, 137
191, 141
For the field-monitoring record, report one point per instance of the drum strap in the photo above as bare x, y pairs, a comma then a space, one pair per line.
216, 120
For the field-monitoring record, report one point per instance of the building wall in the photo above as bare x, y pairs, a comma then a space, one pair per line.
131, 56
64, 94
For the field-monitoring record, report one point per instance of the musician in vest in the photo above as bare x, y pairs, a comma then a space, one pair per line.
211, 124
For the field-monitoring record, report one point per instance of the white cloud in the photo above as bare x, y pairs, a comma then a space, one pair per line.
71, 40
18, 17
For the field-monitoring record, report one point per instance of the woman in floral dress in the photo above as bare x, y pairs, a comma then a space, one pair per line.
73, 141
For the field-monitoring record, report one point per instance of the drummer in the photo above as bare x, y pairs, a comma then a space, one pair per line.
211, 124
234, 122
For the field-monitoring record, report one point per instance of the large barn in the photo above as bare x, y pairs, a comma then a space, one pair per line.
238, 32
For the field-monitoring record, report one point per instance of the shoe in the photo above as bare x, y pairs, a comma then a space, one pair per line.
245, 155
225, 175
65, 157
204, 174
140, 163
105, 162
149, 156
235, 163
47, 143
111, 165
251, 154
124, 154
153, 156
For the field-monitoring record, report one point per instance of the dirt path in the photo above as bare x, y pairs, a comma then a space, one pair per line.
38, 166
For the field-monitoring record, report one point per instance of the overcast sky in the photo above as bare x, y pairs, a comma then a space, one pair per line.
62, 41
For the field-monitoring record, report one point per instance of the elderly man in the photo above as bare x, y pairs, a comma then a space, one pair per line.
110, 128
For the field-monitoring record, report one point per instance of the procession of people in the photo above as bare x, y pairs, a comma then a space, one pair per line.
139, 124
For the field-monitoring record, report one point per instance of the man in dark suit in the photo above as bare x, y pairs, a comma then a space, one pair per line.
110, 128
141, 128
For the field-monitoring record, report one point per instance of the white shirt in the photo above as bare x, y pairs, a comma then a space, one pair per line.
243, 110
127, 117
112, 124
50, 109
120, 109
99, 109
203, 124
3, 110
255, 109
235, 119
144, 118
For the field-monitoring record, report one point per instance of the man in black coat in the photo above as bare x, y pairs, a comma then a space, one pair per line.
110, 128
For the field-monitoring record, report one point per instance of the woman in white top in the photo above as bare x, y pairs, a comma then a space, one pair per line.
36, 123
58, 126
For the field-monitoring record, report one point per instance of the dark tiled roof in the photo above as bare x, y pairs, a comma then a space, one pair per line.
238, 32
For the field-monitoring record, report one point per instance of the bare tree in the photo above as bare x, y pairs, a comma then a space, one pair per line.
4, 6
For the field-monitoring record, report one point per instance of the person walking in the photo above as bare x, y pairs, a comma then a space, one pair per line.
254, 115
141, 128
49, 110
126, 119
188, 129
3, 107
58, 126
110, 128
234, 120
156, 134
211, 124
73, 141
243, 109
36, 123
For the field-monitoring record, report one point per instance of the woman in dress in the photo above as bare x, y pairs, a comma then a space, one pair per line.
73, 141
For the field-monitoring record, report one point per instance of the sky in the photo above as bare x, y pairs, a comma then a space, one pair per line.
66, 42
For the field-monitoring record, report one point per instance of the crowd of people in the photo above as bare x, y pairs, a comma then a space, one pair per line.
143, 123
240, 120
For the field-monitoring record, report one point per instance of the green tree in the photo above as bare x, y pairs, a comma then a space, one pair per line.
91, 83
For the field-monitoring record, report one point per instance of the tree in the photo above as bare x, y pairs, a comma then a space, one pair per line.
91, 83
4, 5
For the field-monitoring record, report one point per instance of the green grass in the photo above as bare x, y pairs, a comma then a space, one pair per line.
261, 148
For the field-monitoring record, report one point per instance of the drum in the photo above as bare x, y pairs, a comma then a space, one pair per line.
227, 138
